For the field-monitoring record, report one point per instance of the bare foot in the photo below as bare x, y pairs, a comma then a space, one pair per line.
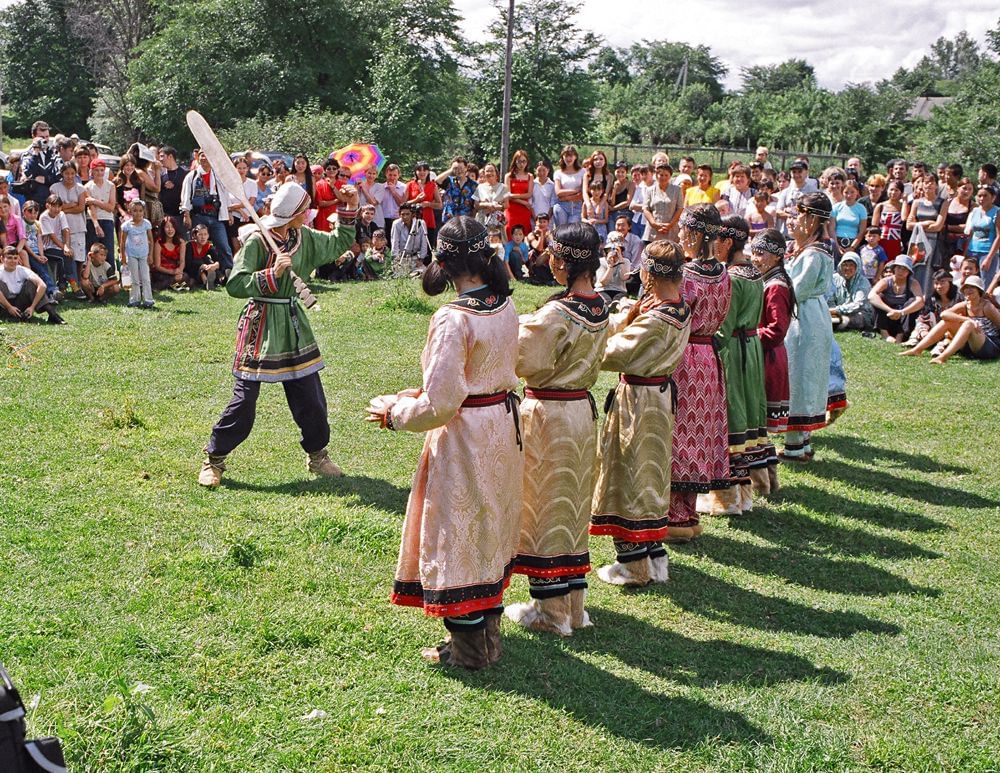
937, 361
909, 353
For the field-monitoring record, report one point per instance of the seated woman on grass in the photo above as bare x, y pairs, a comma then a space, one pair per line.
849, 305
974, 325
895, 298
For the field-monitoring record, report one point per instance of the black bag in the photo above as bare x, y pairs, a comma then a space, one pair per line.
18, 755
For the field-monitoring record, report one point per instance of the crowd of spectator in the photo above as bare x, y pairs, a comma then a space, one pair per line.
908, 241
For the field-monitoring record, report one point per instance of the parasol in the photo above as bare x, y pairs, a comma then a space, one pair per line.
357, 158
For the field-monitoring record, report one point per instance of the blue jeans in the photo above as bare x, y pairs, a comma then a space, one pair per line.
219, 238
42, 269
567, 212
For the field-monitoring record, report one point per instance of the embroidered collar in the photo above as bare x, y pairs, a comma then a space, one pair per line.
482, 300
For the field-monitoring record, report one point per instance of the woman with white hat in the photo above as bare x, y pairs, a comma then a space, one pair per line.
895, 298
974, 325
274, 342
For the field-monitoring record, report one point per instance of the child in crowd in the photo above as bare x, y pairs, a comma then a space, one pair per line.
136, 250
202, 266
377, 254
595, 210
945, 296
56, 245
365, 227
873, 257
100, 281
169, 257
37, 261
759, 213
516, 252
368, 269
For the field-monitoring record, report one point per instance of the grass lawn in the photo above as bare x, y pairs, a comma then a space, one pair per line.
851, 623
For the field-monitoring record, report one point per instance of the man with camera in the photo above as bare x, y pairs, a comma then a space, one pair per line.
40, 164
202, 203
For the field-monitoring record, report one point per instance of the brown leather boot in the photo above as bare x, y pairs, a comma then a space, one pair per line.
468, 650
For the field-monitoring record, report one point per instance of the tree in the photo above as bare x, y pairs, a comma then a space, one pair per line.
553, 95
952, 59
778, 78
222, 58
658, 63
43, 67
412, 78
305, 128
965, 129
610, 67
110, 33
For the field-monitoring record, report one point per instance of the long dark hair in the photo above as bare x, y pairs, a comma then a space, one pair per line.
456, 257
578, 236
709, 216
818, 205
736, 223
308, 172
161, 232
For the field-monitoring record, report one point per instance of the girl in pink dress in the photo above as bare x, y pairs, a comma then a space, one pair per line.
701, 433
463, 517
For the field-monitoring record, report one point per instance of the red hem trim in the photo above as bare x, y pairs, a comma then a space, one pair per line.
610, 530
559, 571
805, 427
450, 610
837, 404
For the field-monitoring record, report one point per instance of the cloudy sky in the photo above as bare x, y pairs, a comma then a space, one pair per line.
845, 41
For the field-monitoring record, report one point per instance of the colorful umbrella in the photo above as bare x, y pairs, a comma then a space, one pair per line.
357, 158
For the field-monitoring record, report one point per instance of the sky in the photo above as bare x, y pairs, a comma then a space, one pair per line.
846, 41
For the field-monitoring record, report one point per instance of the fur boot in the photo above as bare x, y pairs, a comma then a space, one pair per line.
494, 648
552, 615
760, 481
772, 477
746, 497
578, 614
634, 574
464, 649
720, 502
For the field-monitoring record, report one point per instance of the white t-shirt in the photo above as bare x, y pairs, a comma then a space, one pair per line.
570, 181
105, 193
15, 279
77, 220
378, 192
51, 225
251, 192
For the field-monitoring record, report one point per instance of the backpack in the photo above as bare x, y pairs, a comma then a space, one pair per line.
18, 755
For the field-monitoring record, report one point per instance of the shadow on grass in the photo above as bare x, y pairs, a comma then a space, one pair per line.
802, 532
669, 655
701, 593
883, 480
541, 669
857, 448
878, 515
855, 578
370, 491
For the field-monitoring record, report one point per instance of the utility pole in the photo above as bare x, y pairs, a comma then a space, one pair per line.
505, 130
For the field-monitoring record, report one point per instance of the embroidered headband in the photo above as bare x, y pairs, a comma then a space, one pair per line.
822, 214
768, 246
454, 246
693, 223
566, 252
728, 232
665, 270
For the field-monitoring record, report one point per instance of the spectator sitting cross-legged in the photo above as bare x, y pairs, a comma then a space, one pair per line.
895, 299
850, 308
169, 253
22, 292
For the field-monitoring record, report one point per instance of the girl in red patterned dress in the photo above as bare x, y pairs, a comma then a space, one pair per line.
701, 434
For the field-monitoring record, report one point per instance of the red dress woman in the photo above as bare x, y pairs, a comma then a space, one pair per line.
768, 251
519, 186
422, 191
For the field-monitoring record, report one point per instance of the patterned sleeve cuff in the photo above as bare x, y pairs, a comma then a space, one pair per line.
267, 282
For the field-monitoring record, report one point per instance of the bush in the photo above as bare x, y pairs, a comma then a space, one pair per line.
305, 128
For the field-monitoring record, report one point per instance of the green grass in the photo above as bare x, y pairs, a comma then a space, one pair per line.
851, 623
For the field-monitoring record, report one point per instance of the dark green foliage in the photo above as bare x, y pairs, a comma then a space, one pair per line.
44, 73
